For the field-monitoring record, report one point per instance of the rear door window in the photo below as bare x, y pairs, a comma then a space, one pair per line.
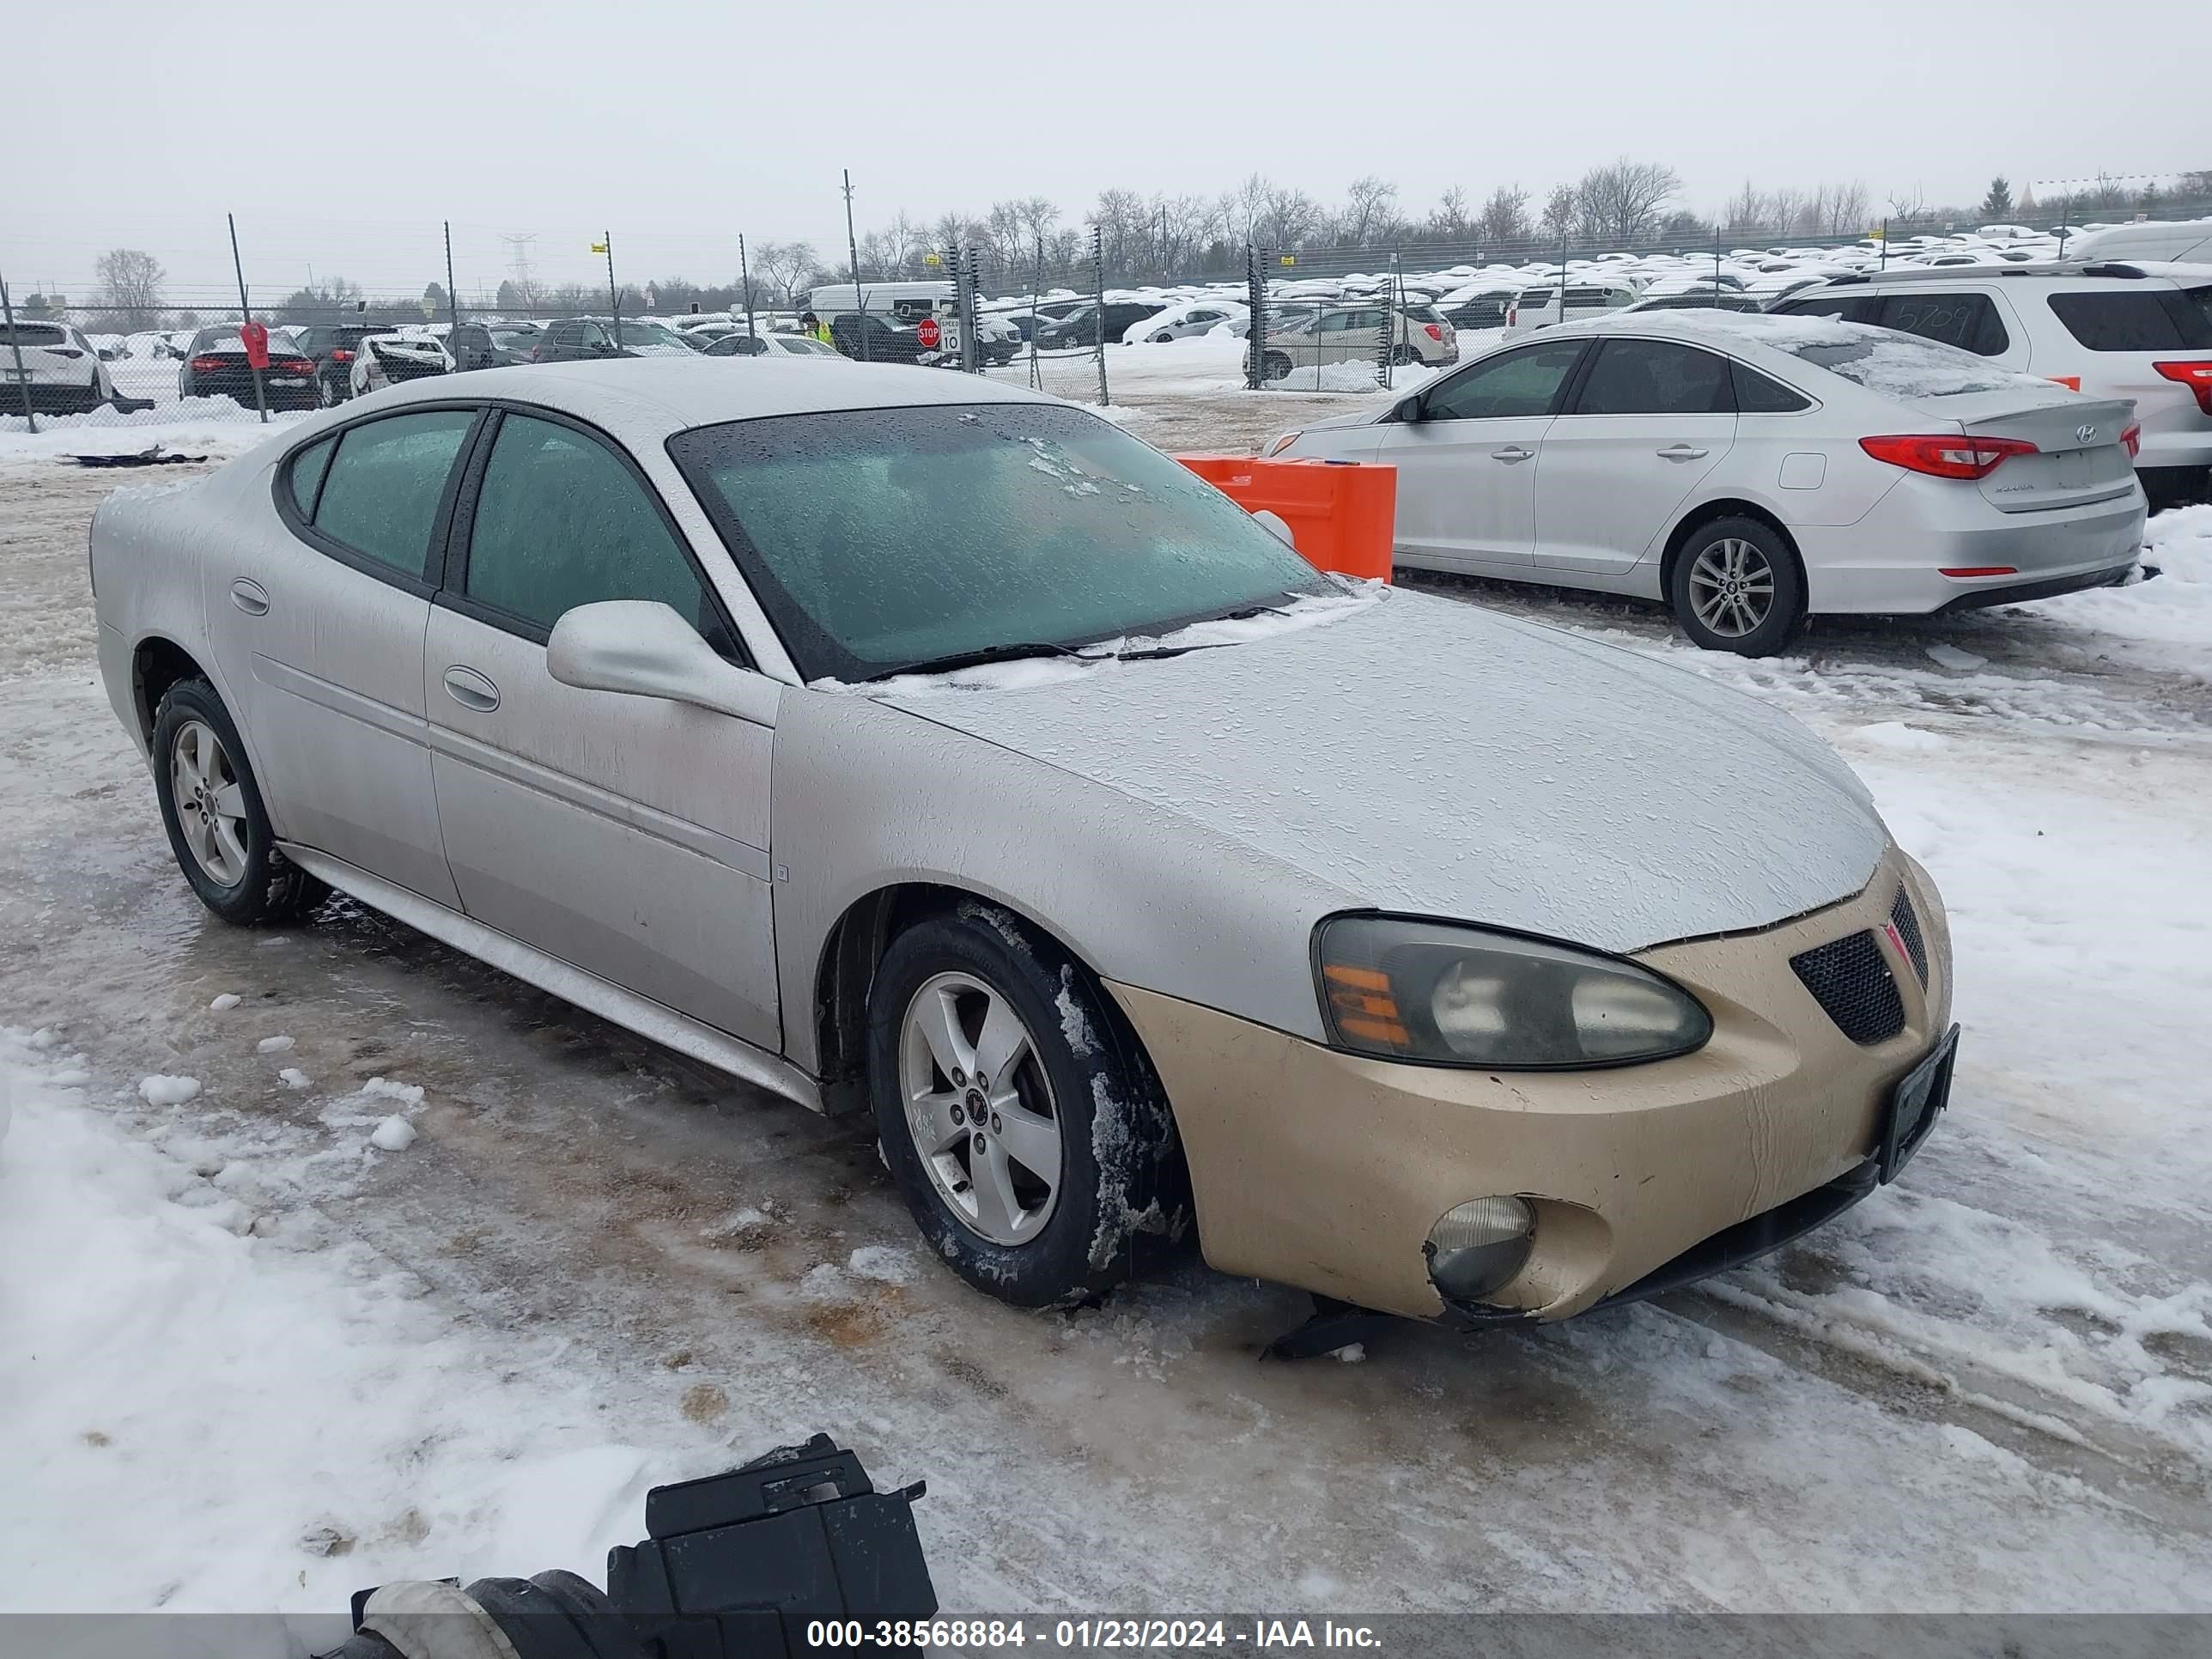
382, 495
1517, 383
1757, 394
1968, 321
2140, 319
1655, 377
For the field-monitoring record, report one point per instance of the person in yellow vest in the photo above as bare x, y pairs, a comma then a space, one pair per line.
816, 328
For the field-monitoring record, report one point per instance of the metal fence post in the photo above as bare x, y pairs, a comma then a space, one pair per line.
1099, 292
1255, 299
964, 276
22, 374
1037, 287
244, 315
745, 276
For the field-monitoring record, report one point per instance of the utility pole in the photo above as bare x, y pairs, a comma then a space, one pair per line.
853, 247
614, 295
244, 316
453, 300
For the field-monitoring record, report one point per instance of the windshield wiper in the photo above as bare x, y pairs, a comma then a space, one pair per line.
988, 653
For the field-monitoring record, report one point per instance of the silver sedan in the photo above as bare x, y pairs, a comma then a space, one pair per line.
919, 746
1750, 472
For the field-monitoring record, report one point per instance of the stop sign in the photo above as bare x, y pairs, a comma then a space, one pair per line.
255, 339
927, 332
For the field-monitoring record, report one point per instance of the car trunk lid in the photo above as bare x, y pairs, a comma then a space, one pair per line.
2079, 458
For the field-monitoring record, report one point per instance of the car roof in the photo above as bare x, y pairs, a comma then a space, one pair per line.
644, 398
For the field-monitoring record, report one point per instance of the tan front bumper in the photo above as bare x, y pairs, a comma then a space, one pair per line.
1325, 1170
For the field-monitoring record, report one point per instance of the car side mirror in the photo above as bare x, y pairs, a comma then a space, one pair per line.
1410, 410
641, 648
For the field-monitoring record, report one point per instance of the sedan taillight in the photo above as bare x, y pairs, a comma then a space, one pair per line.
2132, 438
1942, 457
209, 365
341, 355
1435, 333
2196, 376
71, 352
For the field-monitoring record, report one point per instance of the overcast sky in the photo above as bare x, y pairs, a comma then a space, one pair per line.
342, 136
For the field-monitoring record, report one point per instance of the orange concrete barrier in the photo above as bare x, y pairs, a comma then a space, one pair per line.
1342, 515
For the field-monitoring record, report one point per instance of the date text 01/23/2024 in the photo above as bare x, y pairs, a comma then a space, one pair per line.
986, 1635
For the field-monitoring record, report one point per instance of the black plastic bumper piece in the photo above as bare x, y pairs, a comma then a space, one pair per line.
2020, 592
1748, 1240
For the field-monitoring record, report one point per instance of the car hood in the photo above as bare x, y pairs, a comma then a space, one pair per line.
1425, 756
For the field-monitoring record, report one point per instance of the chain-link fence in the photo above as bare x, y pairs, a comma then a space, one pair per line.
1050, 310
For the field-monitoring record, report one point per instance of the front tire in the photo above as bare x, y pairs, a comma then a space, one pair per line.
1737, 586
211, 807
1018, 1114
1275, 366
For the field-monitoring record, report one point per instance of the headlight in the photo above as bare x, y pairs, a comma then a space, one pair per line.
1277, 446
1464, 996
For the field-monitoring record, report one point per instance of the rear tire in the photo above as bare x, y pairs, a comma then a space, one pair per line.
1274, 365
1737, 586
211, 807
1064, 1081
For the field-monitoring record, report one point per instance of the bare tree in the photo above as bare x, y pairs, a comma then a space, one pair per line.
1504, 216
1562, 208
785, 266
1291, 217
1449, 220
1369, 212
1619, 203
130, 282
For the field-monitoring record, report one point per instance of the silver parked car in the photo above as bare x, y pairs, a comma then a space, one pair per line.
1752, 470
914, 744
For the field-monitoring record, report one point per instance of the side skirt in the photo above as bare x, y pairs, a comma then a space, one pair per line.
633, 1012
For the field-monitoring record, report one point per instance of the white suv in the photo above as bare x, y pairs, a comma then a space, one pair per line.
2141, 331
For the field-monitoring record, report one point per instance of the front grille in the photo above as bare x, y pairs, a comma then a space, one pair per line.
1848, 978
1907, 923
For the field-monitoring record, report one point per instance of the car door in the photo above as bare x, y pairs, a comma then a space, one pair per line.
1649, 422
626, 836
1468, 468
320, 624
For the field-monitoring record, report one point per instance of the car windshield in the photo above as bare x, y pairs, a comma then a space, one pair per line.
649, 334
883, 539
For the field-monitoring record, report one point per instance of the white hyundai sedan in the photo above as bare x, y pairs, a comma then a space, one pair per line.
1751, 470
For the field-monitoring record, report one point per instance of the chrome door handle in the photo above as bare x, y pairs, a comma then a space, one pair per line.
250, 597
1512, 452
472, 689
1682, 452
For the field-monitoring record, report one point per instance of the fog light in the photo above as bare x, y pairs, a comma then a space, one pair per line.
1479, 1245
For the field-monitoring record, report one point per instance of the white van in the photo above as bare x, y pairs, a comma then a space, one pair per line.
1541, 307
2183, 242
900, 304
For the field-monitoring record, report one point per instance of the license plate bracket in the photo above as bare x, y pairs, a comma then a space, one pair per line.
1915, 1104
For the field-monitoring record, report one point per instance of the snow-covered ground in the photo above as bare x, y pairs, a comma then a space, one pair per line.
312, 1329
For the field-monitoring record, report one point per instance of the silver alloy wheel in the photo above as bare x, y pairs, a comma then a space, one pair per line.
210, 806
980, 1107
1732, 587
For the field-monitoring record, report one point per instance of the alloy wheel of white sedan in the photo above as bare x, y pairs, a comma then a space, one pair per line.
1731, 587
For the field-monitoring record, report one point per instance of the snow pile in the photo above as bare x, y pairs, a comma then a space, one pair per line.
394, 1134
2173, 608
1357, 375
224, 1004
160, 1091
213, 426
282, 1423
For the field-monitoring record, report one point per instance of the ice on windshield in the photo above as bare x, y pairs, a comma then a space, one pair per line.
1880, 358
883, 539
